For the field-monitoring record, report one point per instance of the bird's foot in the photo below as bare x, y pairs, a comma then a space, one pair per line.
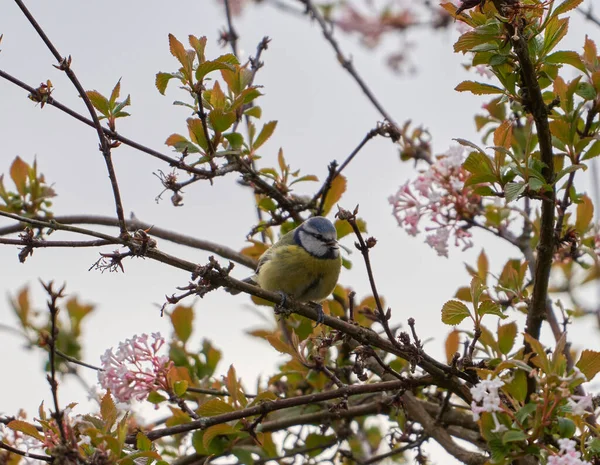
280, 308
320, 313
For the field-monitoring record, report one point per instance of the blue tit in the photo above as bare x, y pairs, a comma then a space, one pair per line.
304, 264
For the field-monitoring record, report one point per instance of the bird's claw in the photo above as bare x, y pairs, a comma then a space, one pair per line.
320, 314
280, 308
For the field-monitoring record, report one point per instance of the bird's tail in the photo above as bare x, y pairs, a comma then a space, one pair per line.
248, 280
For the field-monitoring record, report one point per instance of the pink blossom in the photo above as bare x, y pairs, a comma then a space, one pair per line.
135, 369
370, 28
567, 454
438, 198
484, 71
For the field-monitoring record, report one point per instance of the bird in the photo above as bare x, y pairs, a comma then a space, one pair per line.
304, 264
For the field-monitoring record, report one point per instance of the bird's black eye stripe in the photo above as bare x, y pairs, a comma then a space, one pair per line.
318, 236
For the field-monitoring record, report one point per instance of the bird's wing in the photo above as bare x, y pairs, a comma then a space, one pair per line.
287, 239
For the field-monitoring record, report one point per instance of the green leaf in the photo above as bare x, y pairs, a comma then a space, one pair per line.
513, 436
567, 58
308, 177
196, 130
565, 6
99, 102
115, 93
217, 430
19, 172
267, 204
180, 143
180, 387
556, 29
593, 151
214, 407
264, 134
526, 411
220, 120
478, 163
25, 428
478, 88
468, 143
143, 442
314, 440
512, 190
454, 312
506, 337
178, 51
162, 80
489, 307
156, 398
255, 112
210, 66
566, 427
182, 318
334, 194
586, 91
108, 410
236, 140
585, 214
570, 169
589, 363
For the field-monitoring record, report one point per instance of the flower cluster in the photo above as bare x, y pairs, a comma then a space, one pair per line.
438, 196
135, 369
486, 393
567, 454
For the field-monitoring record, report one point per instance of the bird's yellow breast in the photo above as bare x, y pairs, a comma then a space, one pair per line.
294, 271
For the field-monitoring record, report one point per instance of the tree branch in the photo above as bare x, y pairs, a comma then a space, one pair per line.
134, 223
64, 64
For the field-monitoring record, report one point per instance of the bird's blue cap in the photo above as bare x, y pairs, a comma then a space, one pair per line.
321, 225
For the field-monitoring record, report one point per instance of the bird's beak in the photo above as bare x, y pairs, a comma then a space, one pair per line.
332, 244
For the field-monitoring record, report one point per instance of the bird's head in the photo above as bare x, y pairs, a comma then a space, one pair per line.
318, 237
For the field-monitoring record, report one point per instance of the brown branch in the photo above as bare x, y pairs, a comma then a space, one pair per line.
43, 243
22, 453
271, 406
298, 451
51, 343
373, 408
545, 248
398, 450
417, 412
64, 64
154, 231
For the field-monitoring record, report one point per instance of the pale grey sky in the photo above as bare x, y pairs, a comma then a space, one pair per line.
322, 116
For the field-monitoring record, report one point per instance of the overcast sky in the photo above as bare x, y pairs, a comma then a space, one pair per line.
322, 116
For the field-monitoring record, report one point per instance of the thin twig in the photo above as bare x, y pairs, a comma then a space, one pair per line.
589, 16
399, 450
51, 342
271, 406
23, 453
298, 451
64, 64
232, 36
154, 231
